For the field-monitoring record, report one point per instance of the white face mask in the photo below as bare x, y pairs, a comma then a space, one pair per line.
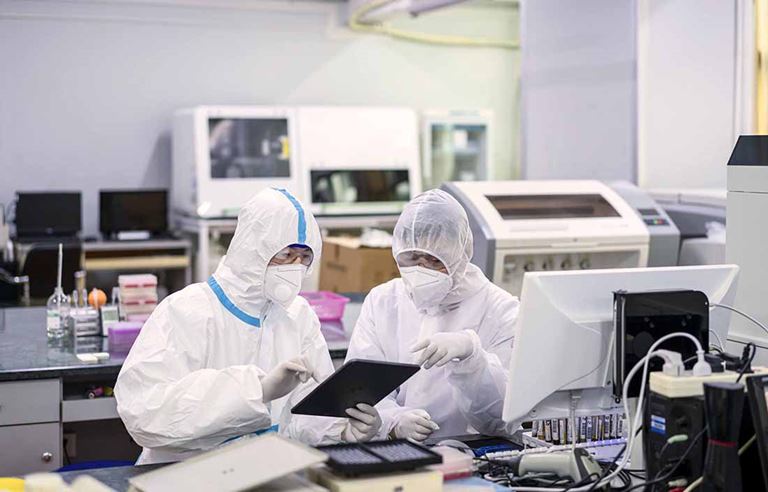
283, 283
426, 288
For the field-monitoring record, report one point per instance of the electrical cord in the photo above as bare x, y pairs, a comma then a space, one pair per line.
694, 485
356, 23
652, 352
747, 444
742, 313
612, 464
719, 340
657, 479
747, 364
677, 438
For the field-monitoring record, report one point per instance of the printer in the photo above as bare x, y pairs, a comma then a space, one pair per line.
524, 226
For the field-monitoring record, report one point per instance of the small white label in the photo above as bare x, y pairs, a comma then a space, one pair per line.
53, 320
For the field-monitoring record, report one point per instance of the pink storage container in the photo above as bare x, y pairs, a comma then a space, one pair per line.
123, 334
328, 306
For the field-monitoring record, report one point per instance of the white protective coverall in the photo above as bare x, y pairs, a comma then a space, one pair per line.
461, 397
191, 380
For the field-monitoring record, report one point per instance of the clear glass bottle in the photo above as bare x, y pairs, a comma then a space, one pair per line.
57, 314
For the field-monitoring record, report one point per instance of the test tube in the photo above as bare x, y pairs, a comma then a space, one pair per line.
548, 431
563, 431
555, 431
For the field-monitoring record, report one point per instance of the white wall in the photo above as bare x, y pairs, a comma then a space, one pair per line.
578, 89
87, 88
687, 91
645, 90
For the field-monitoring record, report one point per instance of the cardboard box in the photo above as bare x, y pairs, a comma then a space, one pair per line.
346, 266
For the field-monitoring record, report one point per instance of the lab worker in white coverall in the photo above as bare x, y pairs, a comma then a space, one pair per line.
231, 356
444, 314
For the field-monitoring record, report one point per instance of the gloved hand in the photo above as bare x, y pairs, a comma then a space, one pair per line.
414, 424
285, 377
363, 425
441, 348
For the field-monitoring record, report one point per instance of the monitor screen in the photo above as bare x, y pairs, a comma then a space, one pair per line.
48, 214
519, 207
245, 148
360, 186
133, 210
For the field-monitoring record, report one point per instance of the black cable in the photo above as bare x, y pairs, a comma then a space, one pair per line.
583, 481
747, 364
612, 464
674, 468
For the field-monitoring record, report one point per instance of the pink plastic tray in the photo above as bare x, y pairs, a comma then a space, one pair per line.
328, 306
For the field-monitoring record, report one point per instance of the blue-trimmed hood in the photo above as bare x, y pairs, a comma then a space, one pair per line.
267, 223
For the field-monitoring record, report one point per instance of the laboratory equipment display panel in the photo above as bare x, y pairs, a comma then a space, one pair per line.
360, 186
249, 148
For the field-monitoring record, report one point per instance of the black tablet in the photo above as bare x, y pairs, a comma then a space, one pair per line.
357, 381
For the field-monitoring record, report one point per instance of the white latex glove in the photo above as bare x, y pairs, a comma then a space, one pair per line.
285, 377
414, 424
363, 425
441, 348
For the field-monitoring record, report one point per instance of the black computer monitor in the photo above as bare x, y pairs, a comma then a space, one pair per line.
757, 387
48, 214
133, 210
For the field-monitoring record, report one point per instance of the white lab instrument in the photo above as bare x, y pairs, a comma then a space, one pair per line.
699, 214
243, 465
456, 146
747, 236
222, 155
358, 160
524, 226
563, 347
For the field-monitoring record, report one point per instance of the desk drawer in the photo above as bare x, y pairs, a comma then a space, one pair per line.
29, 402
30, 448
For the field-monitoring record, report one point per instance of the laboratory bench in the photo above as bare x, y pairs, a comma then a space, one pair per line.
118, 477
45, 405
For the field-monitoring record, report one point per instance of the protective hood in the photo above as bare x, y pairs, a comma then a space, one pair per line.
267, 223
435, 223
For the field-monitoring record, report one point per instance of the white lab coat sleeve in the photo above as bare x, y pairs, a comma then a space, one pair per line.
365, 344
312, 430
164, 395
480, 381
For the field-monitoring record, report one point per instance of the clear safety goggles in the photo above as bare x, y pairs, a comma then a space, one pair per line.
293, 255
422, 259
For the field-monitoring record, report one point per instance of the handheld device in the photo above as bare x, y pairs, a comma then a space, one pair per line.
357, 381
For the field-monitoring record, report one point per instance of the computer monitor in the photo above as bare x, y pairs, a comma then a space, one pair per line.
48, 214
133, 210
565, 336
